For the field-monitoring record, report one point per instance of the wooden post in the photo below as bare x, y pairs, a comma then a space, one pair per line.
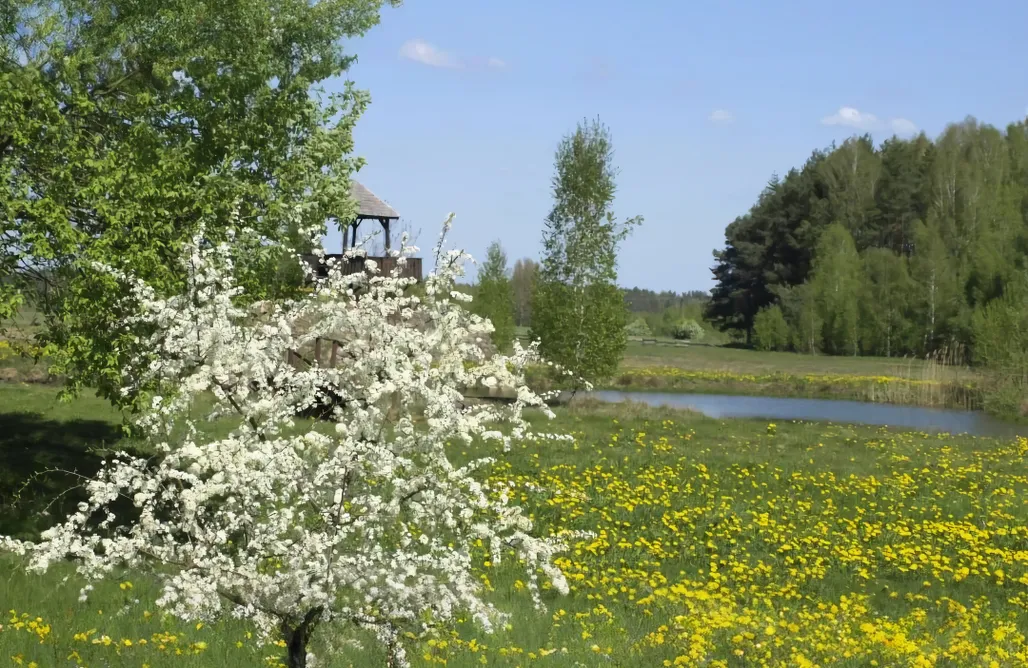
385, 225
333, 354
353, 239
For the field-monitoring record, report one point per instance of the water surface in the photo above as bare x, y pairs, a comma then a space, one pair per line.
975, 423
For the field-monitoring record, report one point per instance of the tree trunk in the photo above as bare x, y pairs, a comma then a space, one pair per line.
393, 658
297, 638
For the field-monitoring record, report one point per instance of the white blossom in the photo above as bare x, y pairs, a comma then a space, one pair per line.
289, 522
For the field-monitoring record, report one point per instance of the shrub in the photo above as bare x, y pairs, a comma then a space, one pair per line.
688, 330
770, 331
638, 327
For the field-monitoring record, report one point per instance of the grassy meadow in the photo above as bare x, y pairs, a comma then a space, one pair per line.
727, 370
672, 366
701, 368
716, 543
701, 357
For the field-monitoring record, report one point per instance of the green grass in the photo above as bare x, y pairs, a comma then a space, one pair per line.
713, 369
742, 360
39, 433
701, 367
708, 533
26, 319
17, 337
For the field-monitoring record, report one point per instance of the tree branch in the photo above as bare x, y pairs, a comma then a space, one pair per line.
241, 602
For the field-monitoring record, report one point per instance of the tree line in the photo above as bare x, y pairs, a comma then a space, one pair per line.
907, 248
667, 314
505, 296
642, 300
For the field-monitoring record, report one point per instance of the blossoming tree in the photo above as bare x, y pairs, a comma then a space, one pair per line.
361, 519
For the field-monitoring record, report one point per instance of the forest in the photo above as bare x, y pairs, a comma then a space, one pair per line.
911, 247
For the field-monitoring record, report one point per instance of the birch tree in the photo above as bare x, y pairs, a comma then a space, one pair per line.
523, 282
578, 311
884, 301
933, 269
836, 281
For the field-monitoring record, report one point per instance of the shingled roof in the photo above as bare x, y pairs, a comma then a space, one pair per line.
369, 206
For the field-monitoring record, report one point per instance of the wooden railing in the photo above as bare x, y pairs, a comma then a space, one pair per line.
386, 265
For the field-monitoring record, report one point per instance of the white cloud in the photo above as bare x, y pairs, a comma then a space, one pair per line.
902, 126
852, 118
422, 52
861, 120
721, 116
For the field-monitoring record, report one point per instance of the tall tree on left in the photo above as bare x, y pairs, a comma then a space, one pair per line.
123, 123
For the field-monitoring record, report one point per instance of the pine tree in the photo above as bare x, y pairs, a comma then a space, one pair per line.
578, 311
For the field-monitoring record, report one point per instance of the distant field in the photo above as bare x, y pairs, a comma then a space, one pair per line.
700, 367
23, 325
703, 356
20, 330
739, 360
16, 350
675, 366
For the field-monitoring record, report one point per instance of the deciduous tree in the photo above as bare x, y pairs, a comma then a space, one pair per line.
578, 311
494, 298
523, 283
933, 270
884, 302
836, 282
123, 124
366, 524
770, 331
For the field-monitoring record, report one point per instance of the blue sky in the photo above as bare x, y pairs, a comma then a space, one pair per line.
705, 100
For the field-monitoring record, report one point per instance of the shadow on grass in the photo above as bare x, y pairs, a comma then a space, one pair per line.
40, 464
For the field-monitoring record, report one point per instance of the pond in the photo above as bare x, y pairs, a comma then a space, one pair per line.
975, 423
